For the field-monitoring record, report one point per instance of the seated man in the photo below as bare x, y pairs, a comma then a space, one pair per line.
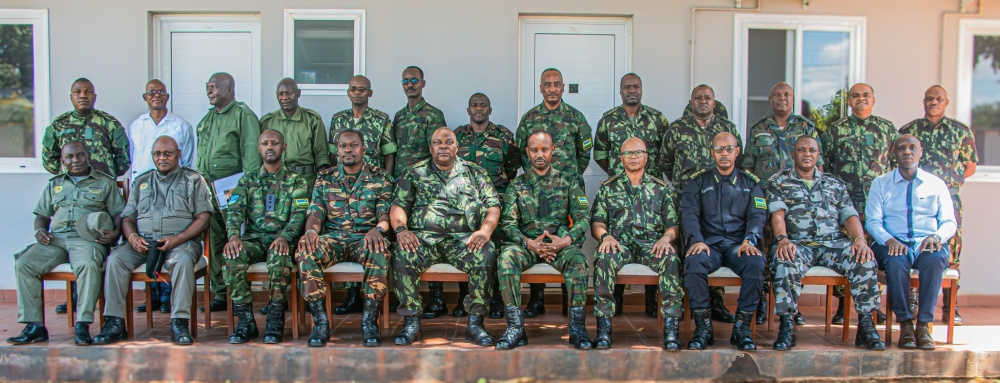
169, 207
634, 220
271, 204
722, 216
808, 207
444, 210
70, 199
910, 214
350, 206
545, 219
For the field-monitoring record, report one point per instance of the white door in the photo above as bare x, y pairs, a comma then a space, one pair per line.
191, 48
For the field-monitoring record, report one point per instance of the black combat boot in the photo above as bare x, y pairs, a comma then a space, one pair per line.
536, 300
651, 303
799, 319
246, 325
352, 304
496, 305
867, 336
180, 334
619, 295
321, 324
81, 334
463, 291
578, 336
603, 339
907, 339
475, 333
786, 334
32, 333
838, 317
703, 335
410, 332
719, 310
274, 325
761, 317
924, 340
565, 300
742, 337
514, 336
436, 306
112, 332
369, 323
670, 330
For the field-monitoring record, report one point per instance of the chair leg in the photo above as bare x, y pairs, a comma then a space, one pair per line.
386, 300
888, 319
149, 305
229, 312
659, 318
953, 291
848, 307
129, 312
687, 312
829, 307
194, 316
207, 301
70, 312
770, 306
100, 309
293, 301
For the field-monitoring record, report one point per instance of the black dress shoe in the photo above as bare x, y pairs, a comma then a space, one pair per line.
924, 340
619, 295
215, 305
112, 332
179, 332
31, 334
81, 335
142, 308
881, 317
496, 307
61, 309
165, 307
838, 317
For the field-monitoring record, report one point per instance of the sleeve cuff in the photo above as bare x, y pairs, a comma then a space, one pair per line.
389, 148
776, 206
600, 155
846, 214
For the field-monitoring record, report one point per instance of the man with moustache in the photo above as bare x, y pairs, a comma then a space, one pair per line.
303, 132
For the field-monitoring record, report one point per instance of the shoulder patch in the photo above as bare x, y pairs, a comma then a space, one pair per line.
759, 202
380, 114
659, 181
751, 175
587, 144
582, 201
301, 202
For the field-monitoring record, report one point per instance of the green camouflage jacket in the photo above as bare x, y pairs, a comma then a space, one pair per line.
494, 150
948, 146
283, 217
770, 149
375, 127
412, 131
351, 207
858, 151
101, 132
551, 202
616, 126
687, 148
639, 214
570, 134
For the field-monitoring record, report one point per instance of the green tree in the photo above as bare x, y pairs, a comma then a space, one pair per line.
17, 69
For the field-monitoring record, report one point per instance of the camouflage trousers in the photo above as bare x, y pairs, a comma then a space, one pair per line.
838, 291
279, 271
334, 249
515, 259
608, 265
955, 243
218, 236
408, 265
788, 276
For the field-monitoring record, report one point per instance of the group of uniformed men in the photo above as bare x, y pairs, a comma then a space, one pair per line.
455, 197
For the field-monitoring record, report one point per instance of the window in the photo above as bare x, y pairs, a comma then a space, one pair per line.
977, 99
324, 48
24, 88
817, 55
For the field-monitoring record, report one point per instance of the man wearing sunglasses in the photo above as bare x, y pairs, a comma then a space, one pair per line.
303, 131
723, 212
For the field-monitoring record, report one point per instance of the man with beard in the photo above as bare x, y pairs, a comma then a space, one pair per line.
303, 132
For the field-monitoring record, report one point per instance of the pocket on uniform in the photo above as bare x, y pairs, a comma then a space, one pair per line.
92, 201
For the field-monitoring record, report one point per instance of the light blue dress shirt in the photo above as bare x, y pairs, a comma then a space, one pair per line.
909, 211
144, 131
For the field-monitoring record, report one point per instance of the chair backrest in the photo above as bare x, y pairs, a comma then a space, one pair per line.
124, 187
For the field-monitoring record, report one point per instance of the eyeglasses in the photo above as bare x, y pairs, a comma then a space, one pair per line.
413, 81
155, 92
363, 89
168, 154
727, 148
634, 153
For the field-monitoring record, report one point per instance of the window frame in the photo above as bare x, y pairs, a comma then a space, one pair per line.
968, 28
355, 15
39, 20
855, 26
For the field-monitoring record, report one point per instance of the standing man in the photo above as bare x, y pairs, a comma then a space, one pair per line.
99, 131
723, 214
545, 219
635, 222
687, 151
303, 132
857, 150
66, 208
808, 208
492, 147
173, 225
631, 119
227, 144
570, 135
158, 121
444, 211
270, 205
951, 155
910, 215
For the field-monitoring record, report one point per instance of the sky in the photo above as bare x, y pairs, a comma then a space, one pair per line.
825, 57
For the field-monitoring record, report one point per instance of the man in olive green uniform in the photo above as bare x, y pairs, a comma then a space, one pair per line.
444, 211
949, 153
68, 200
227, 145
101, 132
492, 147
350, 207
303, 132
571, 136
271, 203
545, 219
630, 119
635, 222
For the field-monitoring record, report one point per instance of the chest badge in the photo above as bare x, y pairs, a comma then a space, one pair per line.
143, 186
57, 189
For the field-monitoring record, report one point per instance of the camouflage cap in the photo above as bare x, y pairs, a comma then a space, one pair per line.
89, 226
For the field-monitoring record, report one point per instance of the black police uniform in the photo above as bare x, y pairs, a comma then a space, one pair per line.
723, 211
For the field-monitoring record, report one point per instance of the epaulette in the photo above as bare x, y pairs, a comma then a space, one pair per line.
103, 174
699, 173
341, 113
105, 115
379, 113
60, 175
611, 179
659, 181
62, 116
327, 171
611, 111
268, 116
422, 163
652, 109
143, 173
751, 175
312, 112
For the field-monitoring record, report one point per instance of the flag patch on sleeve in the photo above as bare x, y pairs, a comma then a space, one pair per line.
759, 203
301, 202
587, 144
583, 201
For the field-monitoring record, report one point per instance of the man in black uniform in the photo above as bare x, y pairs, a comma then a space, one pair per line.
723, 212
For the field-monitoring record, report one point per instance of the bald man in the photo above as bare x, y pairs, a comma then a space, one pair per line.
303, 131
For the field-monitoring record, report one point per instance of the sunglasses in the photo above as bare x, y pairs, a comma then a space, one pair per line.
357, 89
155, 92
727, 148
633, 153
413, 81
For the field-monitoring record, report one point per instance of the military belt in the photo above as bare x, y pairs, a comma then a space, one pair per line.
304, 170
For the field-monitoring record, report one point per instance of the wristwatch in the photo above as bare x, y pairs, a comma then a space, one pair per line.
400, 229
780, 237
750, 241
936, 237
380, 231
605, 235
524, 243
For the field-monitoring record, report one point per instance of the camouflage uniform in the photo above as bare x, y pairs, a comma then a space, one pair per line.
101, 132
305, 138
857, 151
570, 134
687, 149
443, 209
283, 216
948, 146
535, 204
494, 150
412, 131
814, 215
637, 216
770, 149
375, 127
349, 206
616, 126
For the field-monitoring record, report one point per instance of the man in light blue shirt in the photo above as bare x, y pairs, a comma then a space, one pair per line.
910, 214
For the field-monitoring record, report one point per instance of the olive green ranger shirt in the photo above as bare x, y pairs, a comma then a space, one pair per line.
305, 138
687, 148
270, 205
167, 204
616, 126
375, 127
549, 202
948, 146
227, 141
814, 213
770, 148
570, 134
412, 130
101, 132
858, 151
494, 150
445, 203
351, 206
65, 200
639, 214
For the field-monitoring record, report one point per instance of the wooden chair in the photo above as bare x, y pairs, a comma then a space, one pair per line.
639, 274
257, 272
949, 280
724, 276
353, 272
819, 275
